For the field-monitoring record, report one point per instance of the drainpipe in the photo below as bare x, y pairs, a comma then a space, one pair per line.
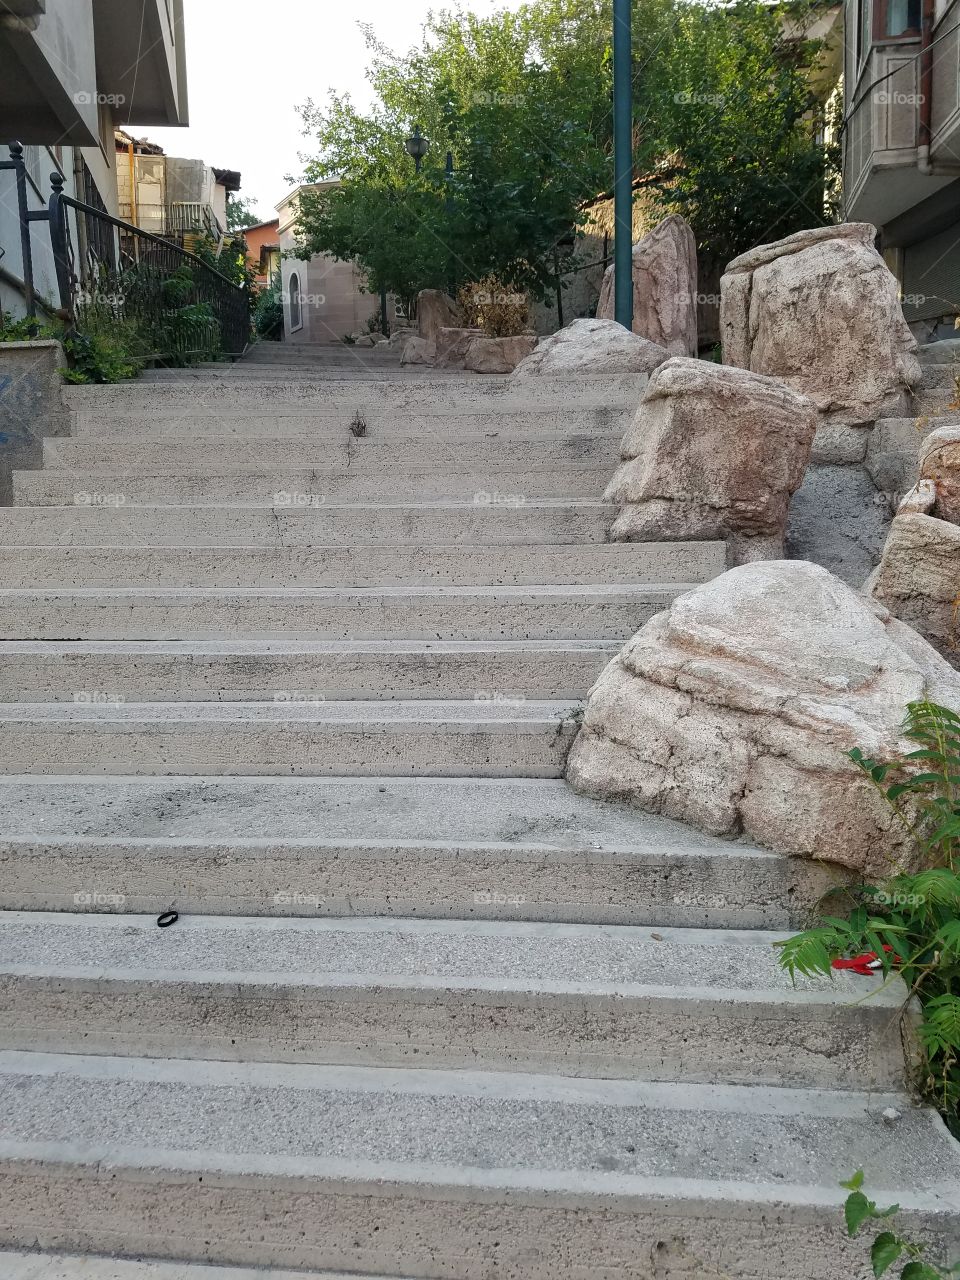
926, 89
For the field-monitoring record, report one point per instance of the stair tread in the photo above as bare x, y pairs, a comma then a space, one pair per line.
288, 953
508, 1133
61, 1266
302, 645
512, 712
536, 814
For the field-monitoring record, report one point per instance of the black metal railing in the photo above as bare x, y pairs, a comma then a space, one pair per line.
175, 306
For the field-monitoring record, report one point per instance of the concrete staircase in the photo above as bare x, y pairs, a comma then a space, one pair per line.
894, 443
425, 1013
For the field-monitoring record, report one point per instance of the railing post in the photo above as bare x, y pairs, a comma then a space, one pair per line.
16, 163
59, 236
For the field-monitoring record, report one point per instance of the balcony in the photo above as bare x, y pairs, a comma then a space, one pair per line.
67, 62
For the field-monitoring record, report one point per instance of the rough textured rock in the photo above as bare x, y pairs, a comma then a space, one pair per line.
714, 452
452, 346
498, 355
940, 463
919, 575
592, 347
664, 287
839, 520
400, 337
734, 711
821, 310
419, 351
436, 311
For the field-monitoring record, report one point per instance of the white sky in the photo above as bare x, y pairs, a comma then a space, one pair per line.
249, 65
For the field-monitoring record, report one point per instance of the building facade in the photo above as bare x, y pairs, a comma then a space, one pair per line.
169, 195
263, 249
323, 299
73, 71
902, 146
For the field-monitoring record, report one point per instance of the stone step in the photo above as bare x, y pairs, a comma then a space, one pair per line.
937, 402
893, 451
411, 524
335, 456
62, 1266
278, 671
605, 1002
937, 377
320, 739
330, 428
517, 849
442, 1174
946, 351
206, 391
360, 566
588, 611
223, 485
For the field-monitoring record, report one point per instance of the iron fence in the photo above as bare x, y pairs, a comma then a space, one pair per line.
173, 306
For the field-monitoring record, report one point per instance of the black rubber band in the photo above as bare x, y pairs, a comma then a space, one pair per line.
167, 919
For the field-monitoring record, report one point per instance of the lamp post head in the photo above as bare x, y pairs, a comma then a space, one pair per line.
417, 146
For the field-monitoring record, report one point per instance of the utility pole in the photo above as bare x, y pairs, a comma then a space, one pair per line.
623, 161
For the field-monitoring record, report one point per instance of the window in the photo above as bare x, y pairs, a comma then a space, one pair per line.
296, 305
898, 19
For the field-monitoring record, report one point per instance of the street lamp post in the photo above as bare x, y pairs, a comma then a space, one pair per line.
623, 162
451, 267
418, 146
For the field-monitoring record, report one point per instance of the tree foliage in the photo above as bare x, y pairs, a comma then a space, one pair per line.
523, 101
241, 214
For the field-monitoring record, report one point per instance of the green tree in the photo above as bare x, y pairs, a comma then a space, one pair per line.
523, 101
241, 214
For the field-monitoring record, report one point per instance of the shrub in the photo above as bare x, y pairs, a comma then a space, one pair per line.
489, 305
911, 921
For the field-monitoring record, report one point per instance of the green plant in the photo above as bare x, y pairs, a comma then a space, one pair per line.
268, 312
101, 357
25, 329
910, 921
888, 1248
489, 305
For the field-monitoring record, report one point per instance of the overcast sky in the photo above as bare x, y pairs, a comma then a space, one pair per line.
250, 64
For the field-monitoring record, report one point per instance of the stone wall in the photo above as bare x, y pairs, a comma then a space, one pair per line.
31, 406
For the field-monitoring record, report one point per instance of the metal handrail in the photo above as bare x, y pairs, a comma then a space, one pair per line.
139, 278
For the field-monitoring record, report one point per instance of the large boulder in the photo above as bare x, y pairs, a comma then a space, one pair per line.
821, 310
664, 287
918, 577
436, 311
452, 345
592, 347
940, 464
714, 452
735, 709
498, 355
419, 351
